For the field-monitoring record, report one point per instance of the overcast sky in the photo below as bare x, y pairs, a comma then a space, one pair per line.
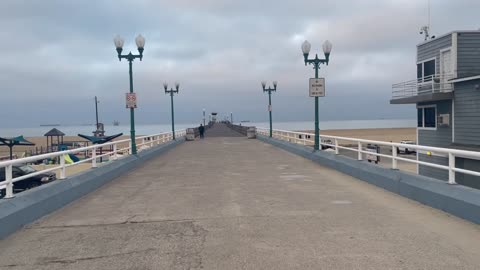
57, 55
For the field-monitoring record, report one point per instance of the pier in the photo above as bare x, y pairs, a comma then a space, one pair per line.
228, 202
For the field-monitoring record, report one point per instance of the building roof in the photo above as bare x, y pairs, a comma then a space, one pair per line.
54, 132
447, 34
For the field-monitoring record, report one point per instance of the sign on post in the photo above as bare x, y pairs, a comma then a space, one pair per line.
317, 87
131, 100
269, 108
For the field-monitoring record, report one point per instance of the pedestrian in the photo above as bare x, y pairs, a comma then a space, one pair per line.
201, 129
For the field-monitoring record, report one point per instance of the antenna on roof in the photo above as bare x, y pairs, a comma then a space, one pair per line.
425, 30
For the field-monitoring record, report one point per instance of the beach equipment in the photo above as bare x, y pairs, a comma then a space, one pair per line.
11, 142
68, 160
54, 133
74, 158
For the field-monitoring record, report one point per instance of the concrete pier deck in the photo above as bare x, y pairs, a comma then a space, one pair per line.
227, 202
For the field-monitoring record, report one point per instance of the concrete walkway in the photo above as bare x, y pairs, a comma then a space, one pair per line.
233, 203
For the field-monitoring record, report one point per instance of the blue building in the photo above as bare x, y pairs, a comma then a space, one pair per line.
447, 94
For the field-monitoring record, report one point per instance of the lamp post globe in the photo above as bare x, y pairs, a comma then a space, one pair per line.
140, 41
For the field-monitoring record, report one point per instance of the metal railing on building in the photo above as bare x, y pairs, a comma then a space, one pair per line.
430, 84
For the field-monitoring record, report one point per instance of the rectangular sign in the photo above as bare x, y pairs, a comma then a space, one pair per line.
317, 87
131, 100
269, 108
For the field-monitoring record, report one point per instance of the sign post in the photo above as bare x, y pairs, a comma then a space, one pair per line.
131, 100
317, 87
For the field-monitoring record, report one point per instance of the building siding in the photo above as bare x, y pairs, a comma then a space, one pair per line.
467, 112
432, 49
468, 50
430, 171
442, 136
466, 179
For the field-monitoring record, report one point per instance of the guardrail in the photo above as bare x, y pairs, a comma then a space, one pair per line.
302, 138
119, 149
237, 128
430, 84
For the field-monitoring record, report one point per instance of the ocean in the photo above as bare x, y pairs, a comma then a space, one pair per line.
152, 129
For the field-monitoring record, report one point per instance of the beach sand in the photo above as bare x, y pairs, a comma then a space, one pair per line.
376, 134
41, 141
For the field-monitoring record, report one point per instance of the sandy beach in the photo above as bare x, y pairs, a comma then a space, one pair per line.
41, 141
376, 134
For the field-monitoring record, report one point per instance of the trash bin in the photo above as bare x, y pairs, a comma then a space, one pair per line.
373, 148
251, 132
190, 134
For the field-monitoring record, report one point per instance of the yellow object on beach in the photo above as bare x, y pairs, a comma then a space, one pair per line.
68, 160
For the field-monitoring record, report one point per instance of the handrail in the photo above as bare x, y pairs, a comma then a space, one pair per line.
437, 83
448, 152
154, 139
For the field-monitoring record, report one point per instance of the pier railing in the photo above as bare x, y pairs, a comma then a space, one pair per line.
360, 147
117, 150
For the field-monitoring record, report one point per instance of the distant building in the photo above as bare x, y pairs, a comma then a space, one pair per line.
447, 95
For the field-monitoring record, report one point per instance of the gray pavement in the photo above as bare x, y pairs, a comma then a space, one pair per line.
233, 203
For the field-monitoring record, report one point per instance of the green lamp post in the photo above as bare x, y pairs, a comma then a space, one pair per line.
130, 57
171, 92
316, 62
270, 90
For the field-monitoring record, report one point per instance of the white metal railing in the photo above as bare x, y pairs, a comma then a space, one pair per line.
451, 154
118, 149
430, 84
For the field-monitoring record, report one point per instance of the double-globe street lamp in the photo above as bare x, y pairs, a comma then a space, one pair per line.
140, 40
270, 90
171, 92
327, 48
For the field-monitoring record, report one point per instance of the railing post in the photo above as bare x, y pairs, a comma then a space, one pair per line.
336, 147
359, 151
143, 142
304, 139
94, 157
115, 152
62, 167
451, 166
8, 178
394, 157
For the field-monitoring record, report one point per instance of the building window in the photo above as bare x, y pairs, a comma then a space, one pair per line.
426, 70
427, 117
420, 117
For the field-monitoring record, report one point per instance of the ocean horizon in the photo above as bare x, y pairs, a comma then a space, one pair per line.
143, 129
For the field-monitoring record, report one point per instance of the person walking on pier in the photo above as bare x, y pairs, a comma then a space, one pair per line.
201, 129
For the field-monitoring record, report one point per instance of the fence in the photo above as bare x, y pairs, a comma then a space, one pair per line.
308, 138
120, 148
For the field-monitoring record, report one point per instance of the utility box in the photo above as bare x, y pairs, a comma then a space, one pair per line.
251, 132
190, 134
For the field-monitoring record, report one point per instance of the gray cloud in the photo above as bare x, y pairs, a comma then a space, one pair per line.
57, 55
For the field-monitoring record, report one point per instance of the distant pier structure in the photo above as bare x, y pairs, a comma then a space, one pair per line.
214, 117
